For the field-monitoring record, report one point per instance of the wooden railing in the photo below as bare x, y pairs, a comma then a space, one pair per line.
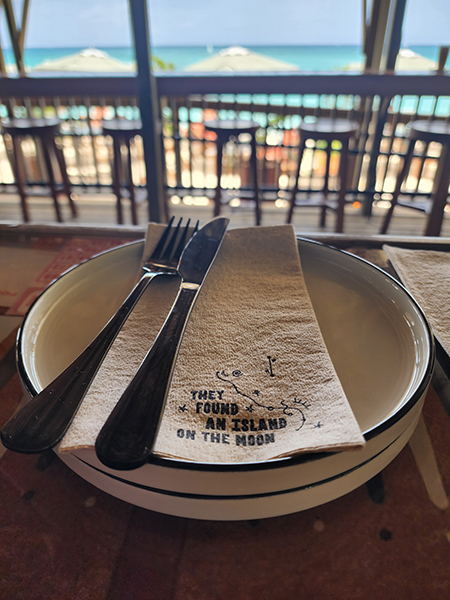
382, 104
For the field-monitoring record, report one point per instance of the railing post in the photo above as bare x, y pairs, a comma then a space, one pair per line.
149, 109
389, 35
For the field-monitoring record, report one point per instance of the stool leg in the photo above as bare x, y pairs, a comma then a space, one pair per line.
398, 186
439, 198
323, 210
343, 175
134, 217
297, 175
218, 197
166, 206
116, 178
59, 153
254, 167
45, 143
18, 168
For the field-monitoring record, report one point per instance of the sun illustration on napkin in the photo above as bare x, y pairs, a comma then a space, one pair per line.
293, 408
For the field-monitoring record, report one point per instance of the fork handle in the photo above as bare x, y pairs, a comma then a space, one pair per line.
43, 421
126, 439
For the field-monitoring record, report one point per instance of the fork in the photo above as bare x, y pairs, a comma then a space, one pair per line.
43, 421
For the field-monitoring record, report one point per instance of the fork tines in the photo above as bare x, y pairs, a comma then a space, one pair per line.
167, 252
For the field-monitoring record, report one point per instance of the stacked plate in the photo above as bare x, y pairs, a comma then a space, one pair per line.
377, 337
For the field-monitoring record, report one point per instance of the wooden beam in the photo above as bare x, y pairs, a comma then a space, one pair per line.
395, 35
23, 25
377, 34
181, 85
246, 83
149, 109
13, 33
2, 63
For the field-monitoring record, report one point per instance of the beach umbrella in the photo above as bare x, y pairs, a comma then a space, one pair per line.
407, 62
236, 58
90, 60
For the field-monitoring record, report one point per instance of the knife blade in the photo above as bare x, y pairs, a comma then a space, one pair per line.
126, 440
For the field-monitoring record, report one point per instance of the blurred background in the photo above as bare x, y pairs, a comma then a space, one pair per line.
381, 63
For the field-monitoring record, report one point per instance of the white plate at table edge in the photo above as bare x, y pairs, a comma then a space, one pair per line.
395, 425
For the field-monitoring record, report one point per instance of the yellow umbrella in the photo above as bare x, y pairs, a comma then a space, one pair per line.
407, 62
236, 58
90, 60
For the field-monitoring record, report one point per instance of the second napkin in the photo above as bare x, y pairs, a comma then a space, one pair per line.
426, 274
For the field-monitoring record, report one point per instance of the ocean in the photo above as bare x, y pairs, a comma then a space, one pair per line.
306, 58
312, 59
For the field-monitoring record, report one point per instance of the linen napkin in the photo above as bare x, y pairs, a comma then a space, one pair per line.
426, 274
253, 379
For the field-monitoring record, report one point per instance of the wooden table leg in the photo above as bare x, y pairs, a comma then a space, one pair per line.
218, 197
59, 153
254, 166
440, 194
297, 175
116, 171
343, 175
45, 142
326, 185
16, 159
134, 217
398, 186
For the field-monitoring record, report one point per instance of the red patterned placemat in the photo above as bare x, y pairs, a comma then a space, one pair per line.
72, 252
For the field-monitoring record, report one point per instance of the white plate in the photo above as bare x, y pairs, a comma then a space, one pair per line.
378, 339
230, 507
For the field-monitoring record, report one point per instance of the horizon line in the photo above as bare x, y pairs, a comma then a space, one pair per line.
435, 45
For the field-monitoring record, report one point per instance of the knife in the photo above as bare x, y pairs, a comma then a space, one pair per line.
126, 439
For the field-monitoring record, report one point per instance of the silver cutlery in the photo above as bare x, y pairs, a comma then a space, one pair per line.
126, 439
43, 421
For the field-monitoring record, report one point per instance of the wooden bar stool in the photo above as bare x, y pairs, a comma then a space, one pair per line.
123, 131
225, 130
426, 131
45, 131
327, 130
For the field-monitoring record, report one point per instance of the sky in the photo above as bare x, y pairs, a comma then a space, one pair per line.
106, 23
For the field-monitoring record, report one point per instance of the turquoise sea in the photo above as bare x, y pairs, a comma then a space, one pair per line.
306, 58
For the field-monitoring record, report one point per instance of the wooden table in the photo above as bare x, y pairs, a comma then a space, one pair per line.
62, 538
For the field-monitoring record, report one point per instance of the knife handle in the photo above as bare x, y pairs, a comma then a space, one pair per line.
43, 421
127, 437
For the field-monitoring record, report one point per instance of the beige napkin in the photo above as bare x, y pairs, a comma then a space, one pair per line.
426, 274
253, 379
